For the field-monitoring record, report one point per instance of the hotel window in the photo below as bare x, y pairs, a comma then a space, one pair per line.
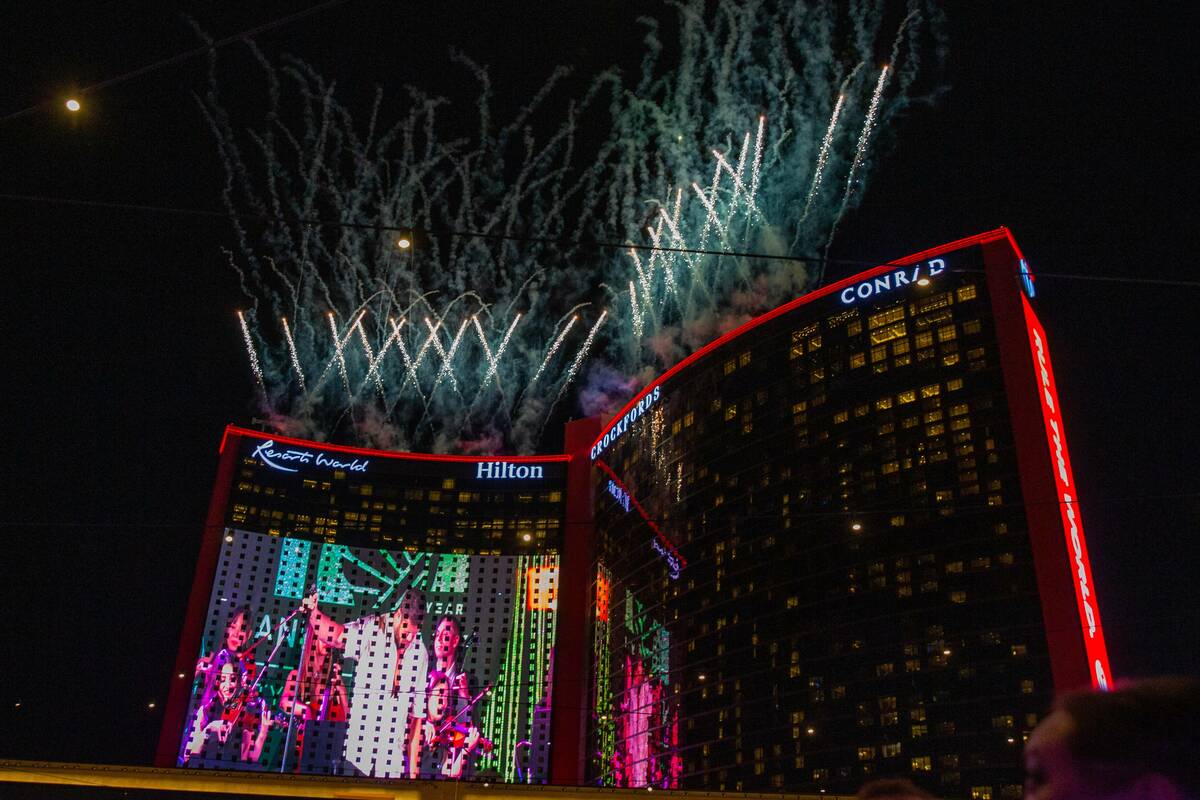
924, 339
891, 749
950, 359
744, 359
878, 353
866, 753
906, 396
886, 316
922, 764
883, 403
1019, 650
958, 597
817, 375
862, 411
857, 360
966, 292
840, 417
730, 411
972, 326
954, 384
932, 390
888, 333
981, 793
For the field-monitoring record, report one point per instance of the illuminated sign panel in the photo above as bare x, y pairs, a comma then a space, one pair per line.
291, 459
330, 659
1067, 493
618, 428
506, 470
889, 281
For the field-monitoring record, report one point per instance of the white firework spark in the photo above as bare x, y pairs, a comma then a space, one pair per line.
254, 365
582, 354
823, 156
558, 340
287, 332
636, 312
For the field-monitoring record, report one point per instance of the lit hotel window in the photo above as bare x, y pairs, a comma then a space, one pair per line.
966, 293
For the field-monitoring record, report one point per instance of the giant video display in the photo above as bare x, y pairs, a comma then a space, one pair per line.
336, 660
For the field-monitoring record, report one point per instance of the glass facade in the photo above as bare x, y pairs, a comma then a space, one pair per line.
859, 597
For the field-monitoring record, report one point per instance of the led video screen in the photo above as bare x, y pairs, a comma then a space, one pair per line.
328, 659
636, 730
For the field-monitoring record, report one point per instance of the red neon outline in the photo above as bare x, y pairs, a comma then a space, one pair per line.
394, 454
599, 462
981, 238
1065, 486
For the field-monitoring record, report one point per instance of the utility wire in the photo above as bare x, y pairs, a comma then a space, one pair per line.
599, 244
179, 58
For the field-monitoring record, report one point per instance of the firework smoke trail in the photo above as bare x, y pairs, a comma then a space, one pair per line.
823, 156
254, 364
538, 196
287, 332
554, 349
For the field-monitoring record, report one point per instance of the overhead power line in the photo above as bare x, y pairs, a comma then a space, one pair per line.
599, 244
179, 58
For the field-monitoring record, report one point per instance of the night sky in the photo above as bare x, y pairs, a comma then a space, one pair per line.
122, 360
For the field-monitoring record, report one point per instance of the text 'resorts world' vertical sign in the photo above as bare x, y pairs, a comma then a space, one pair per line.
1068, 499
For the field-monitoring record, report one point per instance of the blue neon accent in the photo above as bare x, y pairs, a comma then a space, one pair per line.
1027, 279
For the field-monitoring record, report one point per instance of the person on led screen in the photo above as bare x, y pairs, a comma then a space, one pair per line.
448, 735
237, 633
446, 639
387, 705
316, 695
637, 706
253, 710
223, 707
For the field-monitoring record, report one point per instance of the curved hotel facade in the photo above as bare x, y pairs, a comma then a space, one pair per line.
839, 542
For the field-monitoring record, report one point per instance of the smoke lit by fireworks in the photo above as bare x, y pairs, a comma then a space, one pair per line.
472, 285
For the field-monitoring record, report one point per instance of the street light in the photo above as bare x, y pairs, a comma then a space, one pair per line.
73, 105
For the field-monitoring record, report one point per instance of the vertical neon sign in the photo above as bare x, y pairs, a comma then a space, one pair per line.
1068, 498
